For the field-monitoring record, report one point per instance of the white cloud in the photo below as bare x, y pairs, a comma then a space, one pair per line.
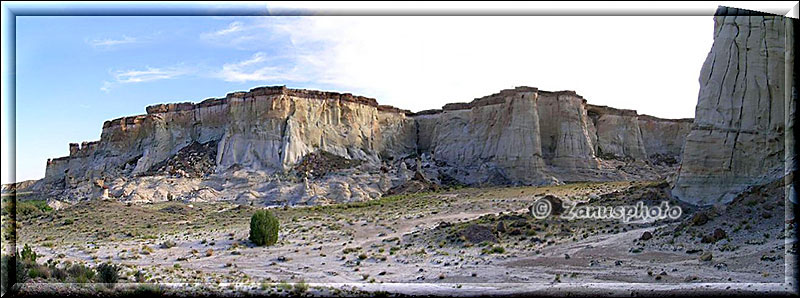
233, 27
149, 74
650, 64
260, 68
108, 42
145, 75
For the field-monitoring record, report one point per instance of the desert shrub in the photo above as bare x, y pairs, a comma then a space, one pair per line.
81, 273
28, 255
493, 250
263, 228
58, 273
32, 207
139, 276
284, 286
168, 244
146, 250
108, 273
300, 287
36, 271
148, 291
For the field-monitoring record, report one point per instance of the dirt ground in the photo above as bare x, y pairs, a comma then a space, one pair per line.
450, 241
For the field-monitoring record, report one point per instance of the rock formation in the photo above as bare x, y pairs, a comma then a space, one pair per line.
265, 145
737, 139
529, 136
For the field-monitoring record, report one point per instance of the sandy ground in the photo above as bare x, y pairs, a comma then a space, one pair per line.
409, 244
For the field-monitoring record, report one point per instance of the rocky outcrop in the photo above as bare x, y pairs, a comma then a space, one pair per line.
494, 137
529, 136
618, 133
737, 139
268, 128
568, 136
266, 146
663, 139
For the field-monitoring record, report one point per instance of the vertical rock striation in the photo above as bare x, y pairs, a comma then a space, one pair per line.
529, 136
738, 133
268, 144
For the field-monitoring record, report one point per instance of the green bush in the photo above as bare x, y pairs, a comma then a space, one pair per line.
148, 290
263, 228
28, 255
300, 288
80, 273
39, 271
108, 273
32, 207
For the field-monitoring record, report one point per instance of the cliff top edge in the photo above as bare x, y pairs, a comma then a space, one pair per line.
496, 98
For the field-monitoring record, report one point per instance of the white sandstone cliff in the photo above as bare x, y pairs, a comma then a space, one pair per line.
738, 133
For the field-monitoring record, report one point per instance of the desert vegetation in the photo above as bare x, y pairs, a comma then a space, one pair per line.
263, 228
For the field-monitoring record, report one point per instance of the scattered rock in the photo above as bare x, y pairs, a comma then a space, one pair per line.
556, 204
193, 161
699, 219
478, 233
168, 244
501, 227
319, 163
719, 234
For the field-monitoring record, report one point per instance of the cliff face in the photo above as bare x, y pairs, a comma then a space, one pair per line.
737, 137
265, 129
263, 145
568, 136
493, 137
529, 136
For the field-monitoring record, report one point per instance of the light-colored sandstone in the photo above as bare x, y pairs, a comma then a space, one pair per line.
517, 136
737, 137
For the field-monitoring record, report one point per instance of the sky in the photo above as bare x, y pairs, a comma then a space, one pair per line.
74, 73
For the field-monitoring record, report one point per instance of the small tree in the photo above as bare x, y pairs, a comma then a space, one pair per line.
28, 255
263, 228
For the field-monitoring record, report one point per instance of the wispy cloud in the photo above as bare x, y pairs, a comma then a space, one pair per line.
149, 74
109, 42
249, 34
232, 27
145, 75
259, 67
298, 59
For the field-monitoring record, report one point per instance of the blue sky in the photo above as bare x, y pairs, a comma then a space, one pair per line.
73, 73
